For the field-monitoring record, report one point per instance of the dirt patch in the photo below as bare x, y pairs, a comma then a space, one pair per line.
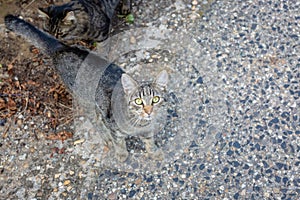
28, 85
7, 7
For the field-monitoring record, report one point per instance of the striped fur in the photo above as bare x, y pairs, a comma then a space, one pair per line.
87, 20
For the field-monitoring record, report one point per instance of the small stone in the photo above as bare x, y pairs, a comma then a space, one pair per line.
71, 172
19, 122
266, 194
57, 175
200, 80
155, 56
2, 122
79, 141
236, 145
32, 149
67, 182
194, 16
243, 192
236, 196
80, 175
285, 180
132, 40
202, 166
35, 64
132, 193
39, 194
133, 59
194, 2
23, 157
276, 190
69, 188
112, 196
229, 152
138, 181
277, 179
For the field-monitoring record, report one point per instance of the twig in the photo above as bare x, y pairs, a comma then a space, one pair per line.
62, 105
4, 135
28, 4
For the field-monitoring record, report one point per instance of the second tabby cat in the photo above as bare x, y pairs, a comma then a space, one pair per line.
77, 20
133, 109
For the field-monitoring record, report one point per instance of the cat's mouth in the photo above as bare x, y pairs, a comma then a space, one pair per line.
147, 116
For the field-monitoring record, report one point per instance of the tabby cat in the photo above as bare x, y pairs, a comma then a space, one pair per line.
129, 110
77, 20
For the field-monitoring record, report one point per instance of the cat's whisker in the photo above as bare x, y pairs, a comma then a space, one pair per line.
135, 121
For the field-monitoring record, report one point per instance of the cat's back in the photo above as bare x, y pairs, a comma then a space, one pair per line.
78, 20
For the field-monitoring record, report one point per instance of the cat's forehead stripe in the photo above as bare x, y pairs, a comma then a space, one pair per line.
146, 91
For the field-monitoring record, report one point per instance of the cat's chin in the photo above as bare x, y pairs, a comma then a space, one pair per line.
148, 118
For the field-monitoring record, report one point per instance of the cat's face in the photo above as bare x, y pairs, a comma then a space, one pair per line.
145, 100
58, 20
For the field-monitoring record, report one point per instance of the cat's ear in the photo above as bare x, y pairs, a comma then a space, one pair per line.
162, 79
129, 85
44, 12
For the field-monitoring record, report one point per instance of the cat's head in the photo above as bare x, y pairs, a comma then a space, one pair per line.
145, 100
58, 20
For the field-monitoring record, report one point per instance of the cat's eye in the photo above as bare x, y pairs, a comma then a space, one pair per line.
155, 99
138, 101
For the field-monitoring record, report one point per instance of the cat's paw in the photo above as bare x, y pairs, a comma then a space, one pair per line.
122, 155
156, 155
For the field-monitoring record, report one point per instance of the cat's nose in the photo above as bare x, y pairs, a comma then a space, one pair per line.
148, 109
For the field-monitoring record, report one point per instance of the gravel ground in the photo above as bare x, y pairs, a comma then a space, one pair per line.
240, 60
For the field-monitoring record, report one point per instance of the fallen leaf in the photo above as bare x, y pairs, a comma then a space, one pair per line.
2, 104
35, 50
63, 135
11, 104
10, 67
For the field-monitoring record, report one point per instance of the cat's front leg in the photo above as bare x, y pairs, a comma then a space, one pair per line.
153, 151
121, 152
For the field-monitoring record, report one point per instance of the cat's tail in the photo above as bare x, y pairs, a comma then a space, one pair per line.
40, 39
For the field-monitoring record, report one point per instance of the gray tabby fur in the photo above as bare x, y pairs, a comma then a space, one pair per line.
77, 20
125, 106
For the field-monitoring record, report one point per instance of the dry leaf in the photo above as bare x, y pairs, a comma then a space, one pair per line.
2, 103
35, 51
9, 67
63, 135
11, 104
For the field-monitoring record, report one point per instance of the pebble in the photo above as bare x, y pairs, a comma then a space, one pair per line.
56, 176
82, 140
23, 157
67, 182
132, 40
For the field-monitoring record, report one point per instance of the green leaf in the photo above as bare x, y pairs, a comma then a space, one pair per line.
129, 18
94, 44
